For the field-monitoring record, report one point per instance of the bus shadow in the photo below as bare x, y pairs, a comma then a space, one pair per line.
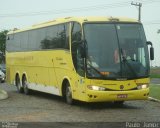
46, 96
106, 105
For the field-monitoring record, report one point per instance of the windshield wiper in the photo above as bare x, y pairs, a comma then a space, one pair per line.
128, 64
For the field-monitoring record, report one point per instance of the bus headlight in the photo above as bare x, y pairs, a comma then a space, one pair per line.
143, 86
96, 88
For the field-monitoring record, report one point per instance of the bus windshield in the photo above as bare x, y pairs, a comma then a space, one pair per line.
116, 51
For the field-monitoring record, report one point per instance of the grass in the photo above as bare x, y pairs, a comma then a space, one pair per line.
155, 91
155, 75
155, 72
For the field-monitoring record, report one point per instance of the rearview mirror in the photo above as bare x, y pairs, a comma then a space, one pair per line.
151, 50
151, 53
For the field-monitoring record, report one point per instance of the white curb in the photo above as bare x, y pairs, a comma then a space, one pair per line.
3, 95
153, 99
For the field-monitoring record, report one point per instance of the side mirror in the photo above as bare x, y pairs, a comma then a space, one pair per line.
149, 43
151, 53
151, 50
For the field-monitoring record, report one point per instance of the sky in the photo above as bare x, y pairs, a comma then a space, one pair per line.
24, 13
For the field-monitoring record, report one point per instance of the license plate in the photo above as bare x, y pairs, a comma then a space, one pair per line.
122, 96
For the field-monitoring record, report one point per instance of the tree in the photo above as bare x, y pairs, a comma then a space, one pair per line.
3, 35
158, 31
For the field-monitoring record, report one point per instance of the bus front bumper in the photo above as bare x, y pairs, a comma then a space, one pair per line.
103, 96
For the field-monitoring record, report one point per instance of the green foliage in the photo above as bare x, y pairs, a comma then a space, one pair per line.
3, 40
155, 75
2, 44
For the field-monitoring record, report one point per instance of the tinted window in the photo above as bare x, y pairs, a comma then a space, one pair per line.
102, 43
32, 41
50, 40
24, 41
56, 37
51, 37
76, 32
13, 44
10, 42
67, 35
78, 61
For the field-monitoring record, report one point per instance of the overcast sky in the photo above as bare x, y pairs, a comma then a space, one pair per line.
23, 13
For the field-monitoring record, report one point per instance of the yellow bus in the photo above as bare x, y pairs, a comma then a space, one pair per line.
90, 59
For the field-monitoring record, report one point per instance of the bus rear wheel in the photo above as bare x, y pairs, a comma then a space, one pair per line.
68, 94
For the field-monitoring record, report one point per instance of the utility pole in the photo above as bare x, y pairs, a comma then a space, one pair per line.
139, 9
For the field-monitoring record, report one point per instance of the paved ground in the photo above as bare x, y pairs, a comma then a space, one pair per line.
3, 94
40, 107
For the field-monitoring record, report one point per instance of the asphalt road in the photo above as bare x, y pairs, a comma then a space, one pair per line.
41, 107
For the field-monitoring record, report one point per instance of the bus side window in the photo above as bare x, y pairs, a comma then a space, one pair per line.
75, 39
76, 32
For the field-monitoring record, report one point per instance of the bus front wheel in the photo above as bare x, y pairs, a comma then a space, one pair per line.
68, 95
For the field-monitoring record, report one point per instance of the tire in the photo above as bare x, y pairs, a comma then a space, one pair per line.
68, 94
18, 85
25, 86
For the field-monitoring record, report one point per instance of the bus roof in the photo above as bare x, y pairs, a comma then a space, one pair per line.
78, 19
